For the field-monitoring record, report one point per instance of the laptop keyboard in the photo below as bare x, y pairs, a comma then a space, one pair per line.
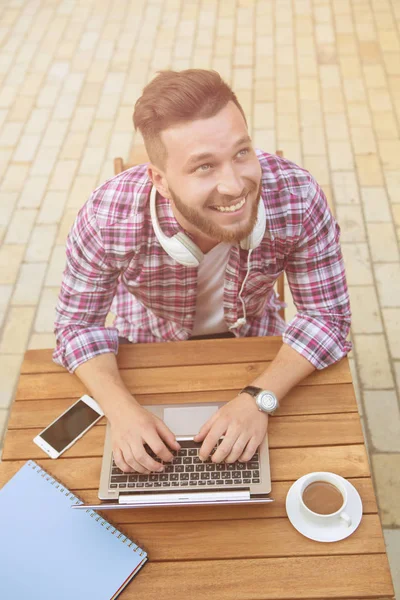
187, 470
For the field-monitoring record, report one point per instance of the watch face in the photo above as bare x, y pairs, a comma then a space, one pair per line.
268, 401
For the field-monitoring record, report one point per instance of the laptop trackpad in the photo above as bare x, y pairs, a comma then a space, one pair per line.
188, 420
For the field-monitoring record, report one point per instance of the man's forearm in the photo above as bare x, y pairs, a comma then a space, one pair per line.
102, 378
286, 370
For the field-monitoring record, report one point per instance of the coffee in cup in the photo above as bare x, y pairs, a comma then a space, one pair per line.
322, 497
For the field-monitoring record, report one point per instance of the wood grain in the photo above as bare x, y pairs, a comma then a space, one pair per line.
170, 379
247, 538
283, 432
204, 513
300, 401
139, 356
287, 464
364, 576
251, 552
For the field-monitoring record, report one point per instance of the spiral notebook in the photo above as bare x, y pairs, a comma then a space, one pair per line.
48, 550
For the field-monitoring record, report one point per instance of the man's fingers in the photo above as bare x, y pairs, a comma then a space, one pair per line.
249, 451
226, 446
157, 445
167, 435
211, 439
205, 428
145, 460
126, 462
237, 449
120, 462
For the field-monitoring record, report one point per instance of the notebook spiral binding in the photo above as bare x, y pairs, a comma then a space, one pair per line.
90, 511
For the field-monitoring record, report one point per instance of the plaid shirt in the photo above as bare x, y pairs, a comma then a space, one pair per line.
115, 261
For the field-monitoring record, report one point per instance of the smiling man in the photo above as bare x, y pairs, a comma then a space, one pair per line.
190, 245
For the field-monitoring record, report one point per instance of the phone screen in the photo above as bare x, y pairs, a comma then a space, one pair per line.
63, 431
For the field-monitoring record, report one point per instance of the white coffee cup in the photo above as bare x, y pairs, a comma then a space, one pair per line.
331, 518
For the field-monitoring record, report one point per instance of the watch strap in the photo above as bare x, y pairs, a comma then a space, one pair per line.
252, 390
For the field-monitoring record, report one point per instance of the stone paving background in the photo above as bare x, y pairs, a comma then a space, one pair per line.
319, 79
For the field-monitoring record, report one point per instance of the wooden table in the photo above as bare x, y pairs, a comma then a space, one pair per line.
226, 553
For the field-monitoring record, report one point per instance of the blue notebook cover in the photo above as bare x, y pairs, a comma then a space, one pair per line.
48, 550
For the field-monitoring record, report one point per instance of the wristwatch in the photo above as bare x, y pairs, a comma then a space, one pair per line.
266, 401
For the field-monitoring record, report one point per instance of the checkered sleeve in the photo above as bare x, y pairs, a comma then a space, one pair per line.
317, 280
88, 287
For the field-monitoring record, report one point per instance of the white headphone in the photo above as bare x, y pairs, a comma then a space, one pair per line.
185, 251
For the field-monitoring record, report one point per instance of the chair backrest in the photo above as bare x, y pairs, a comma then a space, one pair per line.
139, 156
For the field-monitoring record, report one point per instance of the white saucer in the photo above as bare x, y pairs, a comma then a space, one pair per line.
332, 532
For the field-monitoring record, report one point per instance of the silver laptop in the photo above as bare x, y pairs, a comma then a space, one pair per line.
186, 480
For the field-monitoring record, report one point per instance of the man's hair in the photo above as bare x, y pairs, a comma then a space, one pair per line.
175, 97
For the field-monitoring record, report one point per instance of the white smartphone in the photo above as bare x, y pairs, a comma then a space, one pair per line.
69, 427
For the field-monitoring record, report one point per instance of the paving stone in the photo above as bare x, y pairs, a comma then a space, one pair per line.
38, 120
359, 114
73, 146
382, 242
21, 225
4, 414
391, 318
45, 317
374, 76
9, 373
345, 187
33, 192
63, 175
388, 282
392, 540
313, 140
10, 134
41, 243
351, 223
27, 147
55, 134
52, 207
369, 169
17, 329
44, 161
29, 284
10, 259
396, 214
5, 295
383, 417
384, 124
56, 267
7, 204
336, 127
81, 191
363, 140
91, 161
119, 145
42, 341
376, 205
357, 263
373, 362
100, 133
82, 119
379, 99
14, 177
365, 310
318, 167
386, 468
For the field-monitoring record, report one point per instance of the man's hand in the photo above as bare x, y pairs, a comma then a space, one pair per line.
131, 428
244, 427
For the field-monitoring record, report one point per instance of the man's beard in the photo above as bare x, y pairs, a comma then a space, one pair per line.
212, 230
